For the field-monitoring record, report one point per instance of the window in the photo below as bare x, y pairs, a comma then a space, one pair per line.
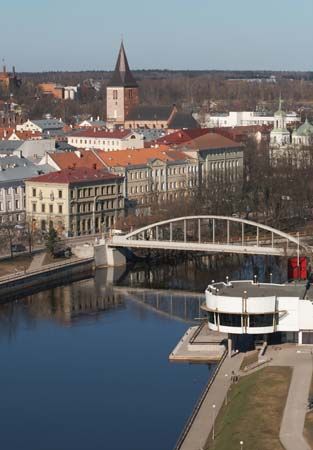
115, 94
9, 205
34, 192
1, 206
261, 320
60, 209
60, 194
230, 320
34, 207
50, 209
43, 208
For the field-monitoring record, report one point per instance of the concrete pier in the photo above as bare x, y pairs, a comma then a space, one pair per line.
199, 344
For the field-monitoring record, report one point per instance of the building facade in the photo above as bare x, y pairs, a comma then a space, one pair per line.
263, 309
74, 201
106, 140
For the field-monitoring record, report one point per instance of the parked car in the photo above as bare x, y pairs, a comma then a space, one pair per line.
18, 248
62, 252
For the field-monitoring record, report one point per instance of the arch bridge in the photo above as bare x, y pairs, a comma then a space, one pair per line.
212, 234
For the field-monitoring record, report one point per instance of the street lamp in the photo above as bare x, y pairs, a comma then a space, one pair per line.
226, 398
241, 445
213, 428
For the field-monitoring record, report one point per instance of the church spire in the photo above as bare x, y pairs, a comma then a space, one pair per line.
122, 76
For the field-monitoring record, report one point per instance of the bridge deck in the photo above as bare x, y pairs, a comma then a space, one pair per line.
118, 241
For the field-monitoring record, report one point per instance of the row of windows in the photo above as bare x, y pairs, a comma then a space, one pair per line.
100, 206
224, 165
96, 142
11, 218
160, 172
50, 208
11, 190
91, 192
237, 320
11, 206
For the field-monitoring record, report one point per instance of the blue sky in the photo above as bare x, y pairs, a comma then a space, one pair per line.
40, 35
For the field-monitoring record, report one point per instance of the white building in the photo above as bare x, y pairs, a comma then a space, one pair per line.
263, 309
242, 118
69, 92
13, 171
106, 140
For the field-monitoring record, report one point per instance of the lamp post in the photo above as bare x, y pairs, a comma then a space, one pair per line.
213, 428
241, 445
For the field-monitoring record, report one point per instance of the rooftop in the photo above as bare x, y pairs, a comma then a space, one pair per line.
137, 157
237, 289
122, 76
75, 176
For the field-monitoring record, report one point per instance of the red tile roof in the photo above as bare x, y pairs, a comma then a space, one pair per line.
74, 176
182, 136
209, 141
142, 156
79, 158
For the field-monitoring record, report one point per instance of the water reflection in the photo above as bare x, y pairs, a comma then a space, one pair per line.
86, 365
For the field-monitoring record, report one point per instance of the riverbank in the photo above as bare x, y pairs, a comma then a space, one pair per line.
29, 281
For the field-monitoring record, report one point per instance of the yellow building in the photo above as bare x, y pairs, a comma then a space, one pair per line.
74, 201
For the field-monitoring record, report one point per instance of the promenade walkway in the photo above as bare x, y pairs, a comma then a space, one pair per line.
202, 425
37, 262
300, 359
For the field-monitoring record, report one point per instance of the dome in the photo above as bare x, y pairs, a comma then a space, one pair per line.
306, 129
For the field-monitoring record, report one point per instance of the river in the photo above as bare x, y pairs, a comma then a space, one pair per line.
85, 366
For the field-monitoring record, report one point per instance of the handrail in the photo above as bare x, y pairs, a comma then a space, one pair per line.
198, 405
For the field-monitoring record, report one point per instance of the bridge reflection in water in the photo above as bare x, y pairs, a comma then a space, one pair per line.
176, 304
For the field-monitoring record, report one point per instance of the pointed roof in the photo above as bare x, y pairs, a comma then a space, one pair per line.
280, 111
122, 76
306, 129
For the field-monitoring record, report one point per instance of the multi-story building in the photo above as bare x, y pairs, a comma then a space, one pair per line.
74, 201
13, 171
153, 174
106, 140
243, 118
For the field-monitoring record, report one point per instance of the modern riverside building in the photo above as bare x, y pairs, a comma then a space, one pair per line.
74, 201
272, 312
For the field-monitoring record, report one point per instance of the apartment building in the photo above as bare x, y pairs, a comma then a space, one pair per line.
74, 201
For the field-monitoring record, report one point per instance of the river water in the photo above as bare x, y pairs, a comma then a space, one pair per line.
85, 366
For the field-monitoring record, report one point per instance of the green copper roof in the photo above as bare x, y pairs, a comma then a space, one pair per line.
306, 129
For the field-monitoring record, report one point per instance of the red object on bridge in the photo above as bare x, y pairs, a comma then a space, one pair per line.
296, 272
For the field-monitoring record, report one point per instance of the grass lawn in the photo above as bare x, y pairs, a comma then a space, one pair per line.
308, 424
16, 264
254, 412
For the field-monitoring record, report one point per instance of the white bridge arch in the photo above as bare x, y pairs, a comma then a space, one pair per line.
212, 234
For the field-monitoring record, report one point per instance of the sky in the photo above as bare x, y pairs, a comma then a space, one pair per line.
42, 35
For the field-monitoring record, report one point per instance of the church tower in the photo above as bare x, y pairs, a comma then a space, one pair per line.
280, 136
122, 91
